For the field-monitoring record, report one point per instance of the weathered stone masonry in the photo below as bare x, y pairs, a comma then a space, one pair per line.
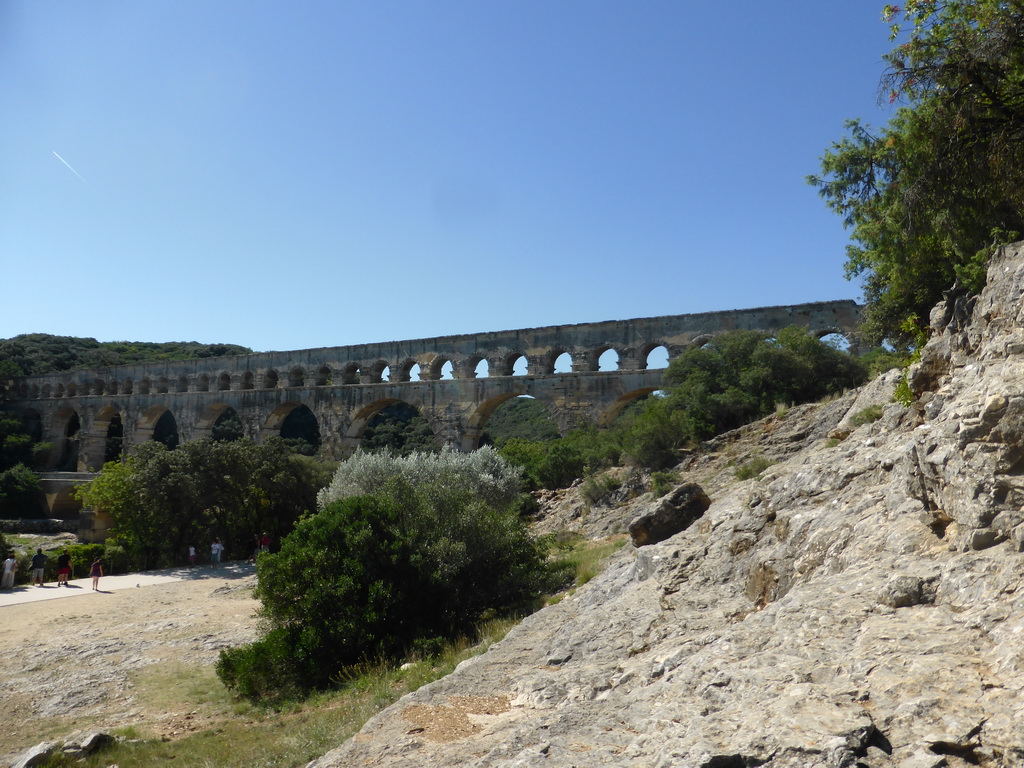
344, 387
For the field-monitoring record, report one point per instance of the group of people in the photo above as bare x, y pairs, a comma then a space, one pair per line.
260, 544
38, 569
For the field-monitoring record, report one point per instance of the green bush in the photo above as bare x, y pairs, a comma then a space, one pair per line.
560, 462
438, 546
753, 468
597, 487
662, 483
866, 416
20, 492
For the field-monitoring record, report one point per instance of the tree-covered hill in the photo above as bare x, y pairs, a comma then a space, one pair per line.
37, 353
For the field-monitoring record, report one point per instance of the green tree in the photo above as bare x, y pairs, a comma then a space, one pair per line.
401, 429
20, 493
736, 378
929, 196
163, 500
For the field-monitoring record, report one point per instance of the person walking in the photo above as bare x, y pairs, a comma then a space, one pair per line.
38, 567
215, 549
191, 555
10, 568
96, 571
63, 568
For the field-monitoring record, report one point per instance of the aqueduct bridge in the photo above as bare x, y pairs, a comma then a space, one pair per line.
455, 382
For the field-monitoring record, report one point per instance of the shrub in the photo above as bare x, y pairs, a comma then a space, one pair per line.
866, 416
597, 487
559, 463
662, 483
436, 547
753, 468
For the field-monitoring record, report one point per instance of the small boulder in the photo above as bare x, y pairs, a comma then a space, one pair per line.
36, 755
673, 513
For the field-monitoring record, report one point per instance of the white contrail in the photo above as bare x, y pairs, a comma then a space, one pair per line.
69, 167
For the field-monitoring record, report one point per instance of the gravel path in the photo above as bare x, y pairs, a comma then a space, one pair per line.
73, 663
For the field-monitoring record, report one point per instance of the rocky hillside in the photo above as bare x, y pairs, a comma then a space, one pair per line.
856, 605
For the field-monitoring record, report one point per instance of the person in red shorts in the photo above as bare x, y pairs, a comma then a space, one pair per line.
63, 568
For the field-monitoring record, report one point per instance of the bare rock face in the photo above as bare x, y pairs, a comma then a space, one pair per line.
858, 606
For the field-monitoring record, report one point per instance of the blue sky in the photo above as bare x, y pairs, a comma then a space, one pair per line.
312, 173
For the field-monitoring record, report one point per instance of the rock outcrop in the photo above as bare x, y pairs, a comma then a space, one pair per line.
857, 606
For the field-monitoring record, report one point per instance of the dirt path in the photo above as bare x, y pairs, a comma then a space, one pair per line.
114, 659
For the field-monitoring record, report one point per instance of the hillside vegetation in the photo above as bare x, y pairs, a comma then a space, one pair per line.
37, 353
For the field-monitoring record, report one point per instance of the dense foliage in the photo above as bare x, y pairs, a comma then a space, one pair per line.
37, 353
401, 429
735, 378
404, 551
558, 462
163, 501
522, 418
929, 196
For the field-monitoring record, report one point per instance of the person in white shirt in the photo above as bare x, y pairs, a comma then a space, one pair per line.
10, 568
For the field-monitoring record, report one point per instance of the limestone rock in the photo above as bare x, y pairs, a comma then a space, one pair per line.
37, 755
670, 515
858, 606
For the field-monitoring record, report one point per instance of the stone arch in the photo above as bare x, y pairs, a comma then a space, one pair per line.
404, 370
162, 386
505, 364
59, 391
270, 379
362, 417
203, 383
208, 418
182, 384
432, 371
604, 355
297, 377
562, 362
145, 385
836, 337
477, 420
350, 373
68, 425
611, 412
46, 391
397, 426
224, 382
157, 423
653, 355
104, 440
324, 376
99, 386
112, 387
127, 386
248, 380
480, 367
279, 421
546, 361
374, 372
72, 389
